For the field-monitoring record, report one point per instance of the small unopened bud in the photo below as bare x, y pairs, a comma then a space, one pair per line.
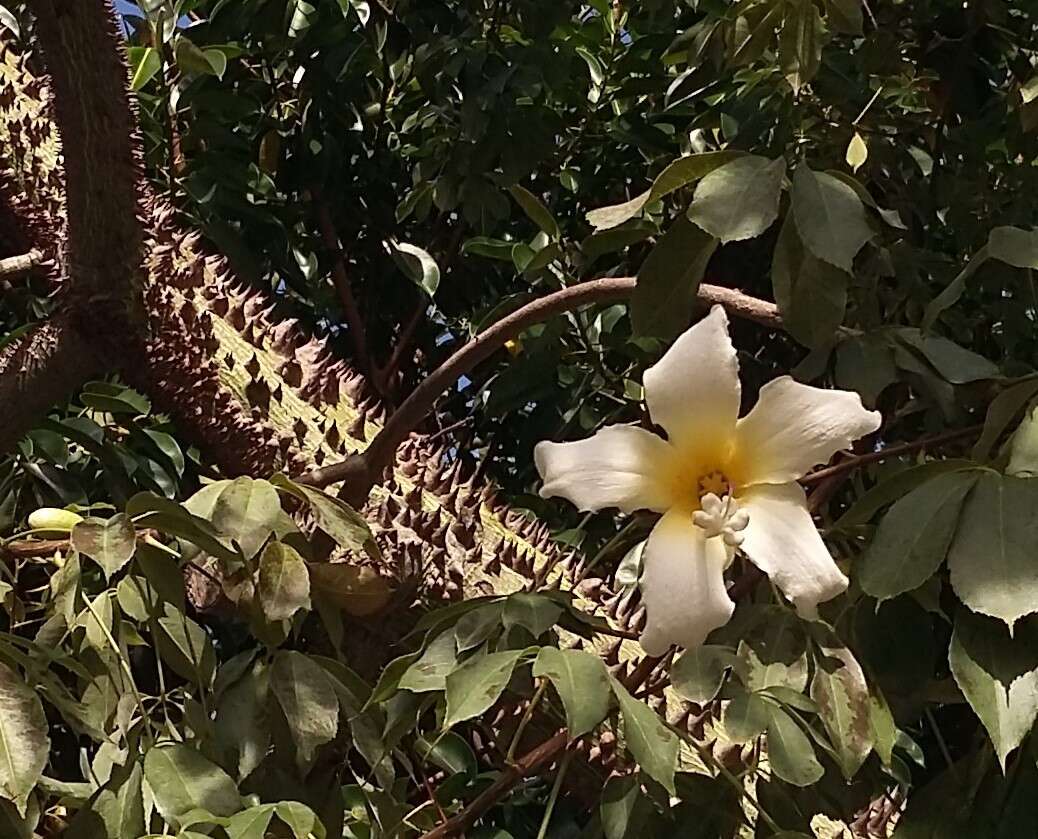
53, 518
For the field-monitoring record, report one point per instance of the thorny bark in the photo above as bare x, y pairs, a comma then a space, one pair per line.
103, 248
40, 370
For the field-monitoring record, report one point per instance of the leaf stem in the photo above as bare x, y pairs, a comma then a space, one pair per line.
525, 720
125, 666
554, 795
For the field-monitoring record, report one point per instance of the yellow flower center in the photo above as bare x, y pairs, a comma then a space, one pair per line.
704, 469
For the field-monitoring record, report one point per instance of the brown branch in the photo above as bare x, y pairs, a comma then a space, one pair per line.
509, 777
526, 766
856, 461
15, 266
360, 471
403, 344
358, 334
36, 548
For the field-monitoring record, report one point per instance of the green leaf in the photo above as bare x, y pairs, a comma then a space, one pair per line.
865, 363
884, 729
430, 671
476, 685
857, 152
490, 248
773, 651
790, 753
800, 42
473, 628
955, 364
185, 646
1003, 409
811, 294
698, 674
991, 558
121, 808
168, 447
582, 683
111, 544
624, 809
182, 780
845, 16
300, 819
830, 217
417, 264
745, 717
1012, 245
893, 488
251, 823
193, 60
24, 742
145, 62
614, 239
450, 752
842, 696
759, 35
792, 698
114, 399
913, 537
681, 172
998, 675
739, 200
534, 611
653, 745
301, 16
336, 518
248, 511
284, 583
1023, 448
535, 210
307, 697
242, 725
150, 510
668, 280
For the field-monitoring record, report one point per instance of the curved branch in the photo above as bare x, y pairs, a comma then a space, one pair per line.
361, 471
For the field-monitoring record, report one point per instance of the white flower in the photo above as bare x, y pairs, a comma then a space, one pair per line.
720, 482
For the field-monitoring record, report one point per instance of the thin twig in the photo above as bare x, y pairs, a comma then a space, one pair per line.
403, 344
856, 461
340, 278
553, 796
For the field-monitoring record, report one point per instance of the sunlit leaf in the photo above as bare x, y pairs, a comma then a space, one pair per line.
582, 683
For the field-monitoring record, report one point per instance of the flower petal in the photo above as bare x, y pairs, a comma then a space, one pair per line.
782, 541
617, 467
694, 389
682, 585
794, 427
